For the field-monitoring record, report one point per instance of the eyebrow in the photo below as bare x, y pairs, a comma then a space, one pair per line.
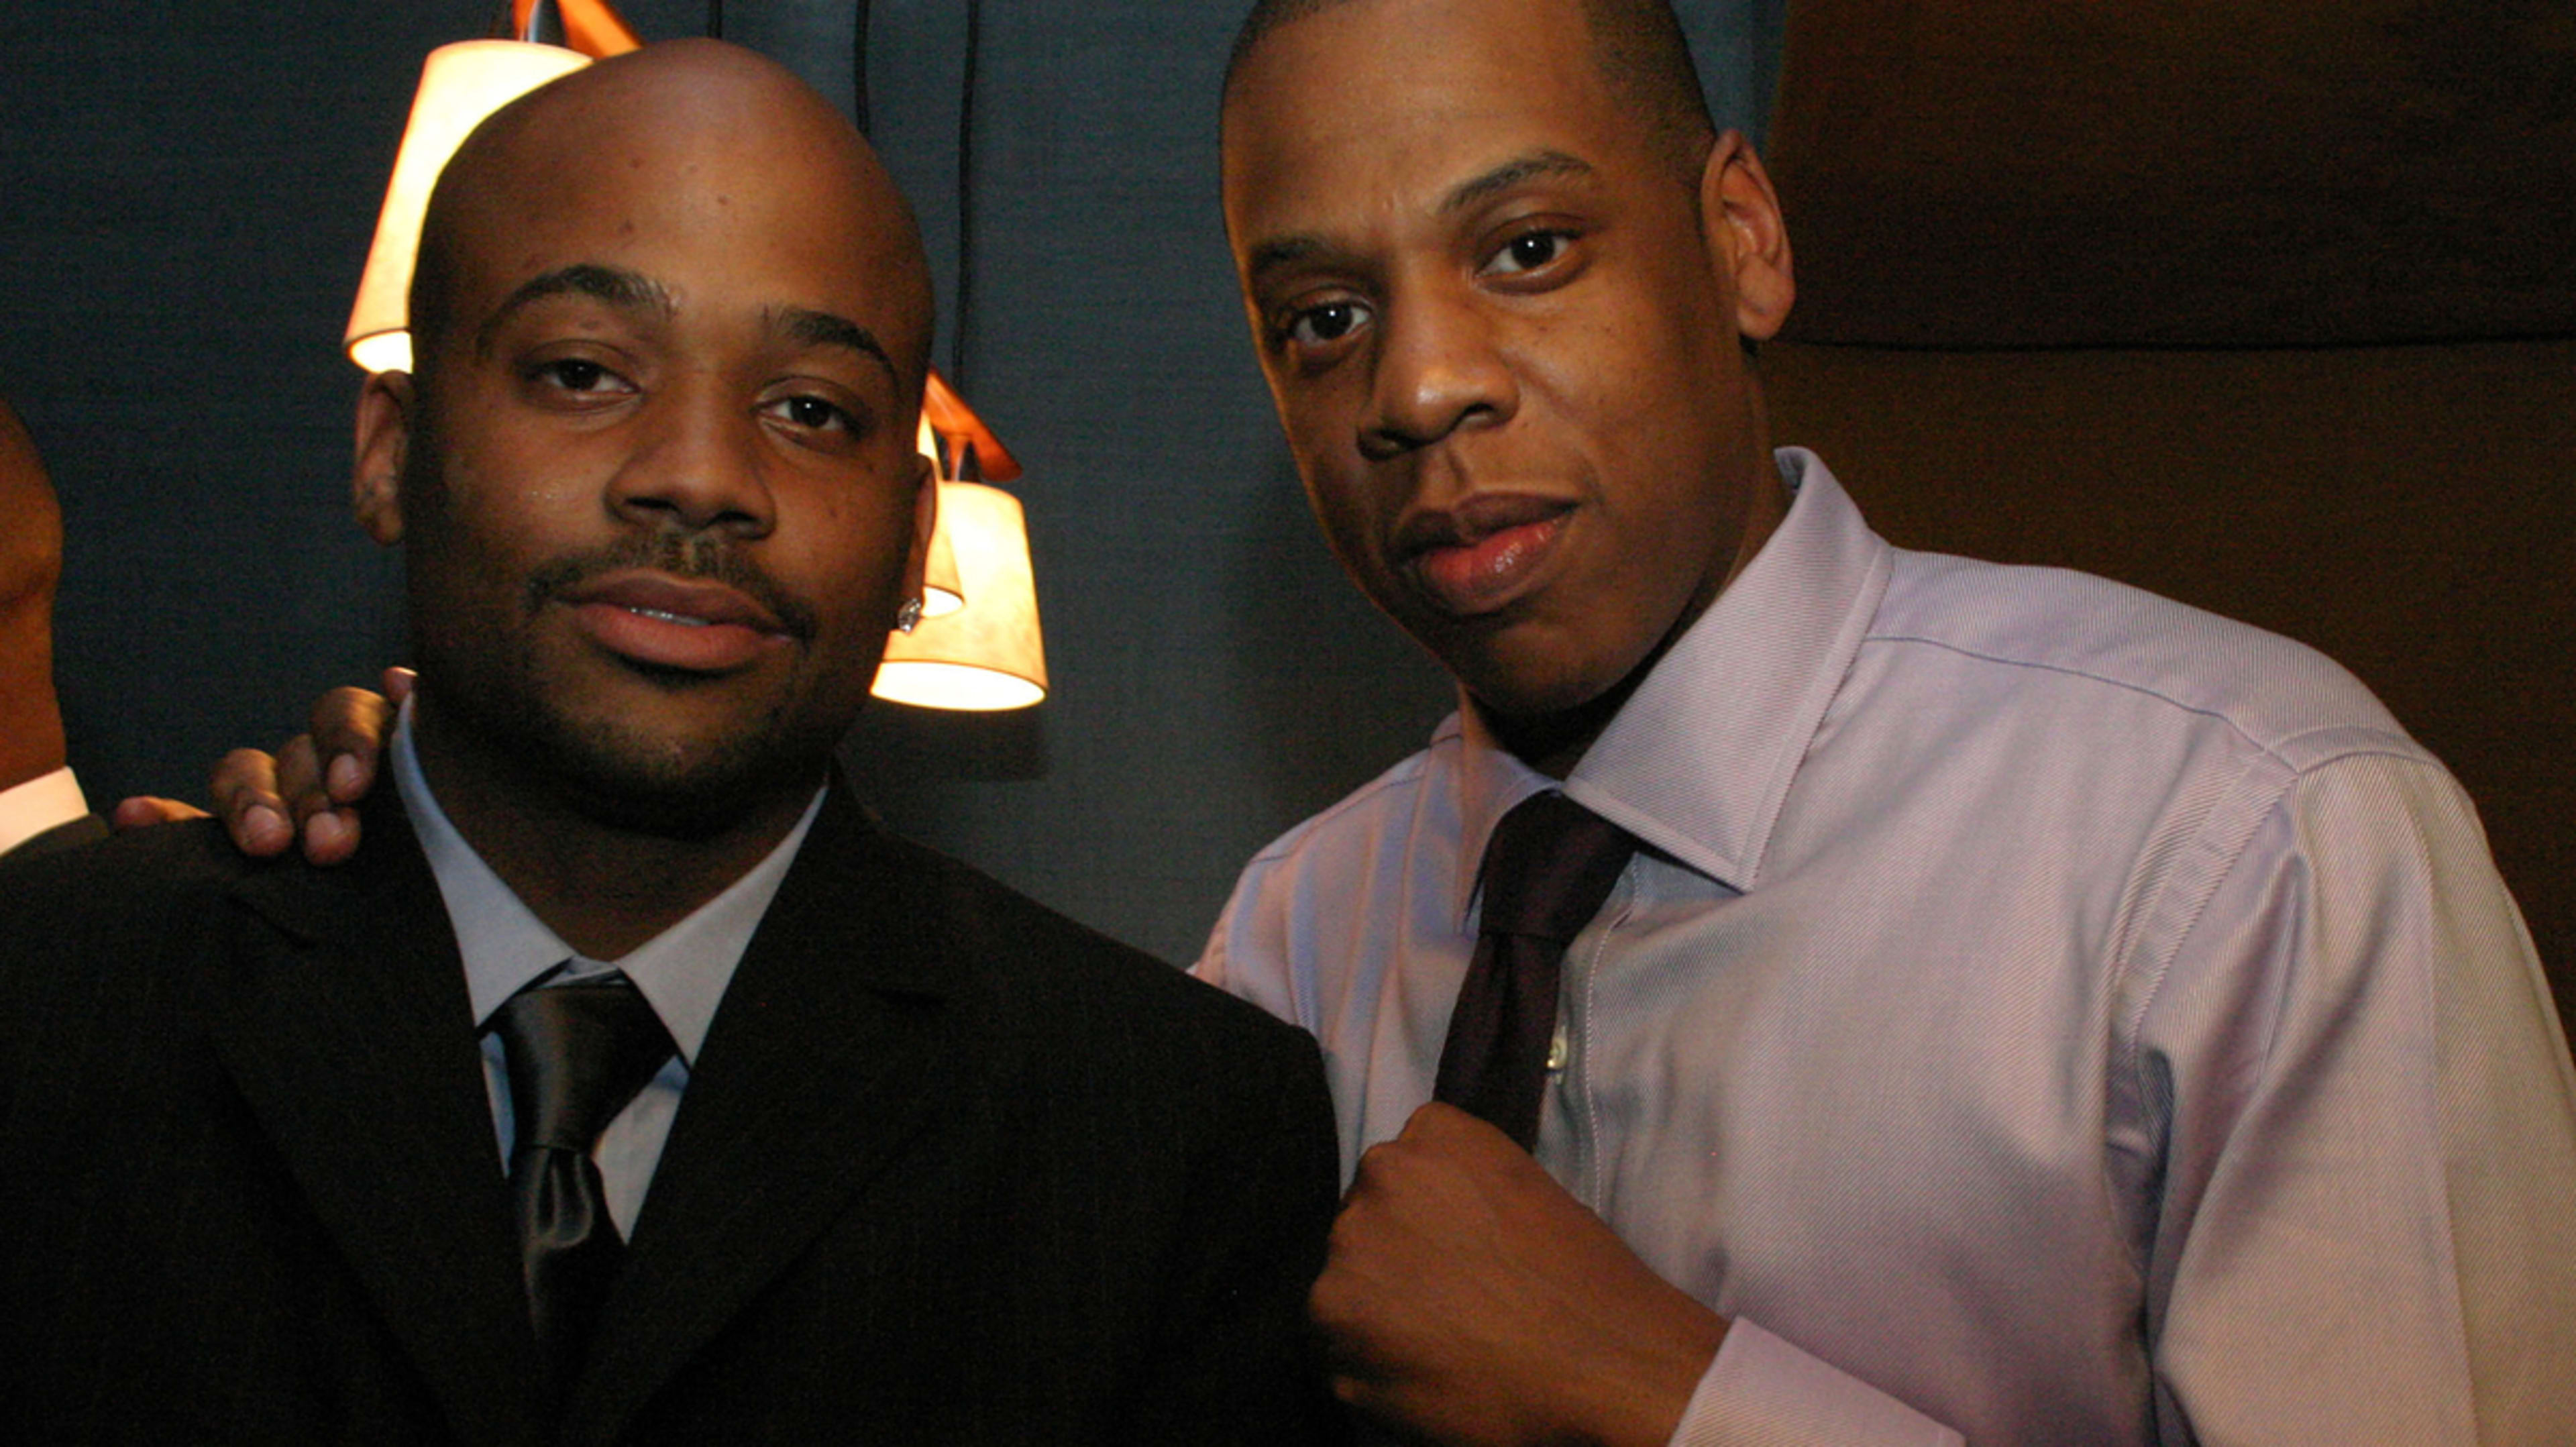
1285, 250
1280, 251
618, 287
1512, 173
825, 329
634, 291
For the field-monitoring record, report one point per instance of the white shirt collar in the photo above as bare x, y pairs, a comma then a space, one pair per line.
682, 971
41, 803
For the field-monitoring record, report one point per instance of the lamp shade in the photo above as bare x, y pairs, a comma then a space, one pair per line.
459, 86
987, 655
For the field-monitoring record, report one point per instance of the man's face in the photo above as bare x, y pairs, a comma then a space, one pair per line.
661, 499
1503, 343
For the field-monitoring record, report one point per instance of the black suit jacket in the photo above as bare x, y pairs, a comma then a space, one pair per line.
949, 1169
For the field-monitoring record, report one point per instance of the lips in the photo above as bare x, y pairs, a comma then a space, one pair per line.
1478, 556
660, 621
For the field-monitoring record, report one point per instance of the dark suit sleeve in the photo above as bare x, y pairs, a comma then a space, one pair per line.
1240, 1364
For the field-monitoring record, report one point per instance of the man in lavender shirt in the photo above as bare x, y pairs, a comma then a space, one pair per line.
2038, 1012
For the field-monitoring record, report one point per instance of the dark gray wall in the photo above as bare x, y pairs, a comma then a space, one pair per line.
186, 195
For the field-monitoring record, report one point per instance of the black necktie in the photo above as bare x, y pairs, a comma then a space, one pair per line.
577, 1054
1547, 869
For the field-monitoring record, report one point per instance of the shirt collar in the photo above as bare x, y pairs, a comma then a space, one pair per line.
682, 971
41, 803
1698, 761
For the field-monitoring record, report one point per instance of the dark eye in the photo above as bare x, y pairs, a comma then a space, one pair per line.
1528, 252
1320, 325
574, 374
576, 382
811, 412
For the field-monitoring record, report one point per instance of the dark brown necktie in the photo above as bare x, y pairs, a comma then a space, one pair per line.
577, 1054
1547, 869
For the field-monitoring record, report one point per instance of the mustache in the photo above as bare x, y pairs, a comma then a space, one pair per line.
698, 559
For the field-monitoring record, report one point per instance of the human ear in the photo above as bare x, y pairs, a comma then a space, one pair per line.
384, 435
1740, 219
925, 519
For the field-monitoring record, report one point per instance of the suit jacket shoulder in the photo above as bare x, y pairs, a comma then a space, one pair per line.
248, 1184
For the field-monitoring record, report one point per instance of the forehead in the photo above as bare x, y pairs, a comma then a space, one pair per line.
720, 217
1376, 100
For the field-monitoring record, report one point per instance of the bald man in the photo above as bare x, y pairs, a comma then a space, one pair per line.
633, 1086
41, 807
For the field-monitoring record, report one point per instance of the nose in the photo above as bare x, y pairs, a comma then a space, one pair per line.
698, 466
1440, 368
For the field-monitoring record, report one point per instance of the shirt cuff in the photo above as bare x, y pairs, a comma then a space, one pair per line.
1763, 1392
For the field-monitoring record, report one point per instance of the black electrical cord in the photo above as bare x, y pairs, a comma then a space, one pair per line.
859, 67
965, 198
715, 19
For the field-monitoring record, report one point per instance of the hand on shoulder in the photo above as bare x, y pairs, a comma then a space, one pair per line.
307, 791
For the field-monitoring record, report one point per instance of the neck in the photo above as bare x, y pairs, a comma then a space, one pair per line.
1553, 743
605, 885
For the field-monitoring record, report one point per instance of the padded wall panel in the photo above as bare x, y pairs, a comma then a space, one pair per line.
2180, 172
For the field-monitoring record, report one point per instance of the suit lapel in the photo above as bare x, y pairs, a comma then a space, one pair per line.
830, 1048
349, 1032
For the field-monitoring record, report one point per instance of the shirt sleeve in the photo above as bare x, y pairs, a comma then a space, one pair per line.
2358, 1228
1762, 1392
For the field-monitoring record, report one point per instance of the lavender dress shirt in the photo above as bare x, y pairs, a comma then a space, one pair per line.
2046, 1014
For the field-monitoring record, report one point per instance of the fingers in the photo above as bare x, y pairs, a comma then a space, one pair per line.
326, 820
348, 731
142, 811
246, 799
397, 684
309, 790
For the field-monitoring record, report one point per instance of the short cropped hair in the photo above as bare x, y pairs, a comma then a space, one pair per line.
1637, 45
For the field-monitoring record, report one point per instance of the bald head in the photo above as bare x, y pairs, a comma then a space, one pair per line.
698, 122
653, 472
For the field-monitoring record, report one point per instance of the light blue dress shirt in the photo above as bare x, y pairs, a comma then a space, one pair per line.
682, 972
2045, 1014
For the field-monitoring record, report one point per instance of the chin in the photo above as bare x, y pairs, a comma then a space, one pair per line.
679, 784
1535, 679
1503, 694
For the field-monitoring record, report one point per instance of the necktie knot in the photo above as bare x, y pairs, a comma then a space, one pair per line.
1548, 867
576, 1054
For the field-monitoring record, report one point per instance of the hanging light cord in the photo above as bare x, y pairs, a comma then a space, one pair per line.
965, 197
859, 67
715, 19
